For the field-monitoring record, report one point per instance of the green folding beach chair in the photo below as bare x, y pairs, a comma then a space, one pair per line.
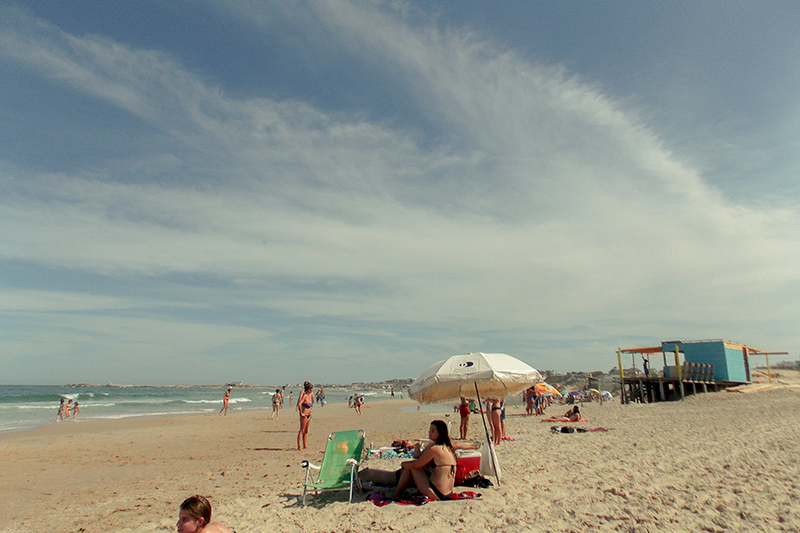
339, 469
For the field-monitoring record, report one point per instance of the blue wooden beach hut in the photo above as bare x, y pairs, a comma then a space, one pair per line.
730, 359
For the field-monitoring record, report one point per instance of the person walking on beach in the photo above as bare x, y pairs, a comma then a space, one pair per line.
75, 410
60, 415
305, 401
357, 401
291, 397
225, 399
276, 404
321, 397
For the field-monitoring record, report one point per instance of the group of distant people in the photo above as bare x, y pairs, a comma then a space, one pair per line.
67, 409
305, 401
495, 409
535, 401
278, 400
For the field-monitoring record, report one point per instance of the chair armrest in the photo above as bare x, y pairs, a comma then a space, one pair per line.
352, 461
308, 464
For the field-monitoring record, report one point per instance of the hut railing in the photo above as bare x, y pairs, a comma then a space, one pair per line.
698, 372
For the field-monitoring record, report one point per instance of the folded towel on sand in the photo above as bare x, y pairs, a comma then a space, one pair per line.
381, 499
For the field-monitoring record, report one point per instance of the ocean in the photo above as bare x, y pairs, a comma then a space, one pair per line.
25, 407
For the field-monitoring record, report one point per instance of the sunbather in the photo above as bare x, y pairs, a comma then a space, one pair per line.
434, 470
195, 517
573, 415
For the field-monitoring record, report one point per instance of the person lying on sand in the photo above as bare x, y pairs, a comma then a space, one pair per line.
195, 517
573, 415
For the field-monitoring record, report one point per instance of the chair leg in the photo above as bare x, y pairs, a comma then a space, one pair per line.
351, 486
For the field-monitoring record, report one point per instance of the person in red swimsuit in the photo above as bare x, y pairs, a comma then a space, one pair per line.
225, 400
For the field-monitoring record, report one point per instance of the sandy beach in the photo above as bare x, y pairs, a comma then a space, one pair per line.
713, 462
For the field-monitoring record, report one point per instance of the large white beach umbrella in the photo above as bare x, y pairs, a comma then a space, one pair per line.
487, 374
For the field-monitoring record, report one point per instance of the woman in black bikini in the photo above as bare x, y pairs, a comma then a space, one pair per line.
434, 470
305, 401
497, 423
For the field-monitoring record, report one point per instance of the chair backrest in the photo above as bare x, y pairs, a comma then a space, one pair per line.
341, 446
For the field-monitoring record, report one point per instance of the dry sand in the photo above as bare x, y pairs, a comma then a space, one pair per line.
713, 462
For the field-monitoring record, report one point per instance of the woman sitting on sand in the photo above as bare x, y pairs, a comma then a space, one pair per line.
573, 415
434, 470
195, 517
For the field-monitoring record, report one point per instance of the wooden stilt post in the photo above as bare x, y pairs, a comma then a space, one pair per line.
621, 377
680, 370
769, 372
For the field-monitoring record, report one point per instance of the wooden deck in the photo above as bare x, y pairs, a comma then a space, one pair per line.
672, 384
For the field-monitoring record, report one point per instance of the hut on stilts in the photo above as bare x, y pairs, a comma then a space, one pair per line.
707, 364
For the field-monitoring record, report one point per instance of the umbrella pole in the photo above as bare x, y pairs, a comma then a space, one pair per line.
488, 438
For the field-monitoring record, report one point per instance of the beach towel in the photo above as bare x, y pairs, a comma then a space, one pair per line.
394, 454
381, 499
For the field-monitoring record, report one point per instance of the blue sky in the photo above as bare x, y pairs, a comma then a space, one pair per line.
340, 191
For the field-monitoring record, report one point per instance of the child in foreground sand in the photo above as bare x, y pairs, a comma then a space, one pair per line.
195, 517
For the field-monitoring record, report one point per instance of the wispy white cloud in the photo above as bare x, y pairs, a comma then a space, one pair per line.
548, 209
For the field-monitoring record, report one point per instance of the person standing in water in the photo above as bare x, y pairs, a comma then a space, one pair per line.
60, 415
